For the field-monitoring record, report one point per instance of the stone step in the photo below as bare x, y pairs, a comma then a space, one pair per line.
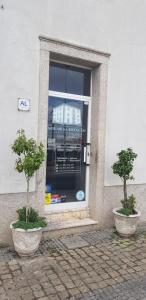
65, 214
75, 226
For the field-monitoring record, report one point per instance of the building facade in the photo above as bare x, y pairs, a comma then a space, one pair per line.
72, 75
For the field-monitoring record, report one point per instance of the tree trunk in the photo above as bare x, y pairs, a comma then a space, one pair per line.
125, 193
27, 203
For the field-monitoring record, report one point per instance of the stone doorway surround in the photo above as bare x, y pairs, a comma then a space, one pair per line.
98, 61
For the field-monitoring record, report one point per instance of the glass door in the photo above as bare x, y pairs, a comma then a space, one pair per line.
67, 143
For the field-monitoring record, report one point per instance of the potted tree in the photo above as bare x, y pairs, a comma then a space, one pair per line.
27, 230
126, 217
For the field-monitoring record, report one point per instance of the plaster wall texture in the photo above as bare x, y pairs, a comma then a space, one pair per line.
117, 27
112, 26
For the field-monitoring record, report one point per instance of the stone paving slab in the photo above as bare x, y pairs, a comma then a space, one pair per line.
105, 267
98, 236
74, 242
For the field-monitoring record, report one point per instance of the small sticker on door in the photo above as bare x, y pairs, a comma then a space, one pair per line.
80, 195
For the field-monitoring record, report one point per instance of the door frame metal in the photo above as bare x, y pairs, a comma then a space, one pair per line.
75, 97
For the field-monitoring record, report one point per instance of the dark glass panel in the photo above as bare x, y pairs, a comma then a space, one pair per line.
67, 134
69, 79
78, 81
57, 78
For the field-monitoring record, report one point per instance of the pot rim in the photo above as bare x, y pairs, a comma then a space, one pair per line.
23, 230
114, 210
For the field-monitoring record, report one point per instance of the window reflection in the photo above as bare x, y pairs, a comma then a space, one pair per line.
67, 132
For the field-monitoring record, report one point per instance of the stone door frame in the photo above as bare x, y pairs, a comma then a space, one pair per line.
98, 61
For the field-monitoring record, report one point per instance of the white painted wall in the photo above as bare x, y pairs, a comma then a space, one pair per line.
113, 26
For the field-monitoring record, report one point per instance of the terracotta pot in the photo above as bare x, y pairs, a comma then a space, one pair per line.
26, 242
125, 225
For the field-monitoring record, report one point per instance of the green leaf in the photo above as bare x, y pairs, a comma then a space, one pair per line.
124, 166
30, 155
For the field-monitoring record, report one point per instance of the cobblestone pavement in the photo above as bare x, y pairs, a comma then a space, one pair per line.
93, 265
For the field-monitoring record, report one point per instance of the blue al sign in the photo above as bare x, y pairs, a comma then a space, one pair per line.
23, 104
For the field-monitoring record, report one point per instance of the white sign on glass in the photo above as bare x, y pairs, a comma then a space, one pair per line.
23, 104
80, 195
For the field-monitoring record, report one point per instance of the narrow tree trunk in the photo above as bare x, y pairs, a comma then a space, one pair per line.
27, 203
125, 193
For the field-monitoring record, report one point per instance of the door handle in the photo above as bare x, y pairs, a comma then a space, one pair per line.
85, 151
87, 154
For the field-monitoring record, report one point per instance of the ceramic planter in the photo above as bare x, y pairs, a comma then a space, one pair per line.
125, 225
26, 242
